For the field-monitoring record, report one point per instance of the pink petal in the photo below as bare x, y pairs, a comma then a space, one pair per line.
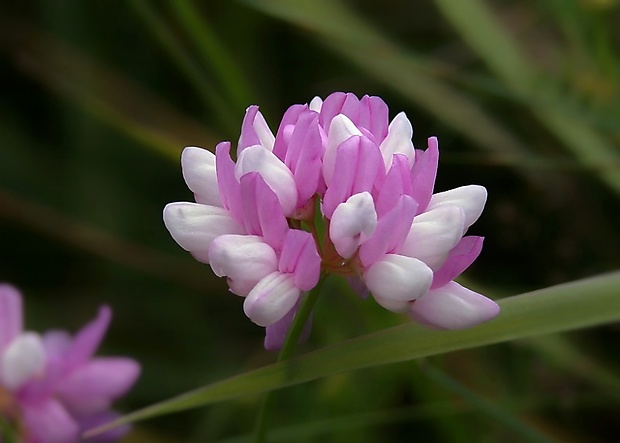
374, 115
305, 154
262, 211
398, 141
10, 314
274, 172
397, 182
194, 226
459, 259
331, 107
49, 422
92, 387
230, 190
300, 258
390, 233
271, 299
453, 307
433, 234
286, 129
352, 223
398, 278
358, 164
199, 173
255, 131
244, 259
92, 421
87, 340
471, 199
424, 172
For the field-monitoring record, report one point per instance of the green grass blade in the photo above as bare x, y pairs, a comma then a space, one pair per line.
574, 305
500, 51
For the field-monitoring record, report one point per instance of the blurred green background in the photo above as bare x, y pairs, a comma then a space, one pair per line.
99, 98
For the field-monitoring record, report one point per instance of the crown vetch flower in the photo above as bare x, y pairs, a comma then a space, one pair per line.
51, 386
254, 218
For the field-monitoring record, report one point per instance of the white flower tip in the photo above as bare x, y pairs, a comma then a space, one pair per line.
398, 278
22, 360
316, 104
352, 223
453, 307
271, 299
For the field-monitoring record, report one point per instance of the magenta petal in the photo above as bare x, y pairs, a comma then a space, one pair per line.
390, 232
286, 129
304, 156
230, 189
453, 307
374, 115
424, 172
248, 134
358, 163
300, 258
459, 259
272, 225
91, 388
10, 314
396, 183
49, 422
332, 106
87, 340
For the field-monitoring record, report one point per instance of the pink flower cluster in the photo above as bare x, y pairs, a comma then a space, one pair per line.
51, 387
342, 164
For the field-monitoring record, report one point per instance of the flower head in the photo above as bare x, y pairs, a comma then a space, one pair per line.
51, 387
255, 218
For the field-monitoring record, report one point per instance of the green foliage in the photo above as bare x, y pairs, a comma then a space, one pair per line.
99, 99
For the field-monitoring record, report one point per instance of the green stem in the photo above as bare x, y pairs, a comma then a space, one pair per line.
287, 351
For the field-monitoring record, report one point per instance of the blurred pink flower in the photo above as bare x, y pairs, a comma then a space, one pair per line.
51, 386
254, 219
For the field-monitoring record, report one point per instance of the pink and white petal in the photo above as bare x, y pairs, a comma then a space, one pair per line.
274, 172
340, 130
91, 387
48, 422
352, 223
244, 259
453, 307
398, 141
459, 259
433, 234
255, 131
471, 199
199, 173
424, 172
11, 316
398, 278
194, 226
331, 107
271, 299
22, 360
